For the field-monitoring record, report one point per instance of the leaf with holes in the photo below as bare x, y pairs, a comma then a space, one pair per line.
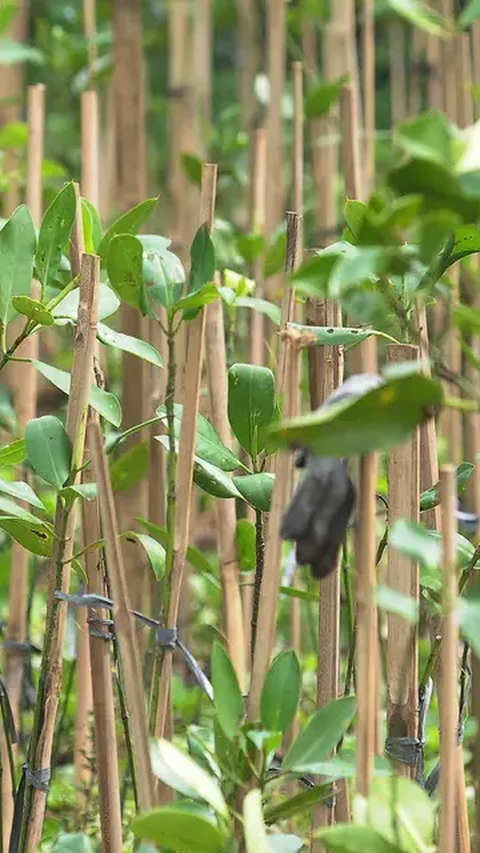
124, 267
129, 223
34, 310
54, 234
49, 449
36, 538
154, 551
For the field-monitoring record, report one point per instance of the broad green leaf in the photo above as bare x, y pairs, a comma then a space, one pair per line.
228, 699
251, 404
427, 136
8, 12
129, 223
469, 14
420, 15
281, 692
275, 255
355, 839
8, 414
54, 234
298, 804
33, 309
154, 243
469, 621
15, 52
14, 453
329, 336
85, 491
195, 557
124, 267
279, 842
192, 166
154, 551
130, 467
129, 344
246, 544
17, 249
208, 477
92, 226
302, 594
322, 97
10, 509
49, 449
208, 444
431, 497
184, 775
196, 299
256, 489
179, 830
395, 602
255, 833
103, 402
378, 420
73, 842
425, 545
36, 538
202, 260
21, 491
108, 304
401, 812
272, 311
320, 736
163, 279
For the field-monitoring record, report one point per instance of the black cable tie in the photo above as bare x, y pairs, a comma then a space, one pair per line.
166, 638
95, 632
17, 646
405, 749
38, 779
85, 600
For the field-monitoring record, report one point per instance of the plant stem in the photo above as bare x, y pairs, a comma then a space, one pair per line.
260, 562
171, 510
7, 355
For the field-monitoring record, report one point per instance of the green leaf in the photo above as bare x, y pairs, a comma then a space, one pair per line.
195, 557
163, 279
33, 309
420, 15
281, 692
378, 420
251, 405
92, 226
21, 491
17, 249
54, 234
129, 344
213, 480
184, 775
49, 449
10, 509
246, 543
469, 621
36, 538
202, 260
272, 311
14, 134
395, 602
228, 699
431, 497
425, 545
108, 304
427, 136
14, 453
154, 551
85, 491
130, 467
15, 52
179, 830
256, 489
208, 444
298, 804
469, 14
320, 736
196, 299
329, 336
103, 402
129, 223
322, 97
302, 594
124, 267
401, 812
355, 839
255, 833
275, 255
73, 842
192, 166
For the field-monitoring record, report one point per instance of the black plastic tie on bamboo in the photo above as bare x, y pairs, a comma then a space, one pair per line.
405, 749
7, 714
93, 621
39, 779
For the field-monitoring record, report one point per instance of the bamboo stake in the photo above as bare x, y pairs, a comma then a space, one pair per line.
40, 751
225, 510
398, 77
24, 380
415, 83
258, 227
369, 94
186, 451
12, 84
89, 24
448, 687
276, 42
287, 367
367, 652
130, 189
101, 678
403, 576
125, 633
249, 45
